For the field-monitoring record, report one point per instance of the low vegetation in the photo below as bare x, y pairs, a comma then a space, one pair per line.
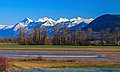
7, 64
4, 64
88, 67
65, 64
18, 46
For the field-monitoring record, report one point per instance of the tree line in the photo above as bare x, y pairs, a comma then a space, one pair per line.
68, 37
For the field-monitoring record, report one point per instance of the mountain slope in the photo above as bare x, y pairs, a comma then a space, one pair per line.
103, 22
79, 26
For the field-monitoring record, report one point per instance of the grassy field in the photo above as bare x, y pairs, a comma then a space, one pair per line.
57, 48
16, 46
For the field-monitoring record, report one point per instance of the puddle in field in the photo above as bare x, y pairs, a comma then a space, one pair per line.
49, 55
45, 53
54, 55
72, 70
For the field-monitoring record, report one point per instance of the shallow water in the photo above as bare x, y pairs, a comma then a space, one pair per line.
72, 70
45, 53
49, 55
25, 55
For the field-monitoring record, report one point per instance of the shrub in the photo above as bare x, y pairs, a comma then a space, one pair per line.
4, 63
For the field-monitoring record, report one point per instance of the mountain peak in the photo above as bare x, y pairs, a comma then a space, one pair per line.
76, 20
44, 19
79, 18
27, 20
62, 20
73, 19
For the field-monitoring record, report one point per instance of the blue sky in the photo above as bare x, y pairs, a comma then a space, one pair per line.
12, 11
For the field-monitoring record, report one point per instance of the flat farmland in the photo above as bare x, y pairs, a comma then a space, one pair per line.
108, 56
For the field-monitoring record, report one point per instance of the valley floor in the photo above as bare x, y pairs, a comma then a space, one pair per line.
111, 57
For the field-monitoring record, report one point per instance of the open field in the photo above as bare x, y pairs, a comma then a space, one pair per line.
63, 63
71, 63
17, 46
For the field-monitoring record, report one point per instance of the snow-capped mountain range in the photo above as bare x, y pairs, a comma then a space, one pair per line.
42, 23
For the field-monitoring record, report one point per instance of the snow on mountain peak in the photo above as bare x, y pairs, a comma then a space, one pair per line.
88, 20
7, 27
76, 20
19, 25
50, 22
2, 26
79, 18
62, 20
28, 20
22, 23
73, 19
42, 23
45, 19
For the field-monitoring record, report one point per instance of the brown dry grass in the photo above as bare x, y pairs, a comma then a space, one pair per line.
64, 49
50, 62
55, 62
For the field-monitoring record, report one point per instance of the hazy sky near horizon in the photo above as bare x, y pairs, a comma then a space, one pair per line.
12, 11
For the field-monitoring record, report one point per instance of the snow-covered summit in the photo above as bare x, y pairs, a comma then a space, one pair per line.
2, 26
27, 20
80, 20
62, 20
23, 23
45, 19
